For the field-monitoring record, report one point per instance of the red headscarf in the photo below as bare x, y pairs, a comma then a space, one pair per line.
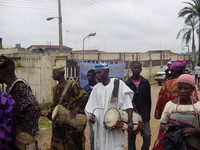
178, 65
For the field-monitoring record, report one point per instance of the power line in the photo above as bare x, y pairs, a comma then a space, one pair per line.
89, 19
118, 18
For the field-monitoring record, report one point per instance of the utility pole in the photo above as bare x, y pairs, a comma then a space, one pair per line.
60, 26
66, 36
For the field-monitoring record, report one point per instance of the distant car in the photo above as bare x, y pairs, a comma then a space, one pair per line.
160, 75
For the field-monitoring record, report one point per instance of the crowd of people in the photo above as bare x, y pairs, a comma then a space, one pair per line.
110, 106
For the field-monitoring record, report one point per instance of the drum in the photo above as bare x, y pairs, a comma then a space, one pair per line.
117, 119
61, 115
25, 141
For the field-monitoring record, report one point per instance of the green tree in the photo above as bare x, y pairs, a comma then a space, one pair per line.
189, 35
190, 11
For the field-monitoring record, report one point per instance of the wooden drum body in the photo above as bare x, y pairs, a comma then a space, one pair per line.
62, 115
117, 119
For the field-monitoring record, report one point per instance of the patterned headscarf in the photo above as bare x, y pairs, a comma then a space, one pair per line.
178, 65
187, 79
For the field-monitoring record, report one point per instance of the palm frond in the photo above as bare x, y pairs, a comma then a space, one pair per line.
188, 36
192, 5
182, 31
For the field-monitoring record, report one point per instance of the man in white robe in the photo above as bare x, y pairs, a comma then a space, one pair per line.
99, 102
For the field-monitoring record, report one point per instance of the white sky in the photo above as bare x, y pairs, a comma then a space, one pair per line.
120, 25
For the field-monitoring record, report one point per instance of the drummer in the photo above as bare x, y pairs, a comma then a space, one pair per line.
100, 101
64, 136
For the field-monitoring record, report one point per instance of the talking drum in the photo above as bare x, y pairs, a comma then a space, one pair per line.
61, 115
117, 119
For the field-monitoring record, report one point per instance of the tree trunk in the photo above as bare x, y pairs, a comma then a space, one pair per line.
193, 50
199, 42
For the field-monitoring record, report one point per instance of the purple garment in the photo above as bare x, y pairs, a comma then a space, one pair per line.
7, 122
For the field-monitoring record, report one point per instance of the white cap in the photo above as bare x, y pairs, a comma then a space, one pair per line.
169, 63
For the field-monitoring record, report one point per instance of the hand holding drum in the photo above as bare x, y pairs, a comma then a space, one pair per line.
43, 113
92, 119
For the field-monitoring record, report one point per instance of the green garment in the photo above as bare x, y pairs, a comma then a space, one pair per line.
64, 136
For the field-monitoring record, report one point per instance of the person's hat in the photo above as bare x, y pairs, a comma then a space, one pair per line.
178, 65
187, 79
169, 63
101, 66
58, 68
6, 63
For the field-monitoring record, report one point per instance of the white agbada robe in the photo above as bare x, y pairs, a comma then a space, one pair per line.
100, 98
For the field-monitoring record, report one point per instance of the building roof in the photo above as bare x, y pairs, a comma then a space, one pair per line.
164, 51
87, 51
48, 47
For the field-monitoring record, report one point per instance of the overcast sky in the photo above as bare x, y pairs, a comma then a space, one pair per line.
120, 25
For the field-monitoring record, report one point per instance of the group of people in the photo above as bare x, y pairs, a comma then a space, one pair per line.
177, 106
19, 110
132, 95
178, 109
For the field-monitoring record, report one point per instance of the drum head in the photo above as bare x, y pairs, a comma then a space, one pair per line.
55, 112
111, 117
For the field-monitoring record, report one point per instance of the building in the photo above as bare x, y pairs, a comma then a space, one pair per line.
48, 48
36, 68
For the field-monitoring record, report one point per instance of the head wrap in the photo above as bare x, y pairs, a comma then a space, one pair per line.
178, 65
169, 63
58, 69
101, 66
187, 79
6, 64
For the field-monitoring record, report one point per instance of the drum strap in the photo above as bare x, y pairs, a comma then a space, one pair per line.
69, 82
114, 97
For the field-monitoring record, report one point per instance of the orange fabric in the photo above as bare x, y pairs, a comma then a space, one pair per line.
167, 93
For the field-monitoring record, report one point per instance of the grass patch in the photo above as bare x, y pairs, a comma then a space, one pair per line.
18, 65
151, 79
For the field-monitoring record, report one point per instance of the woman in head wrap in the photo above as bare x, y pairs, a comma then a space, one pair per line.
169, 92
27, 106
180, 118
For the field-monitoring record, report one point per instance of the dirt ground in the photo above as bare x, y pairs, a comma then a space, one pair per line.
153, 123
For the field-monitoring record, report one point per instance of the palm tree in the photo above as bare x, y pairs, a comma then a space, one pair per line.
188, 34
193, 10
